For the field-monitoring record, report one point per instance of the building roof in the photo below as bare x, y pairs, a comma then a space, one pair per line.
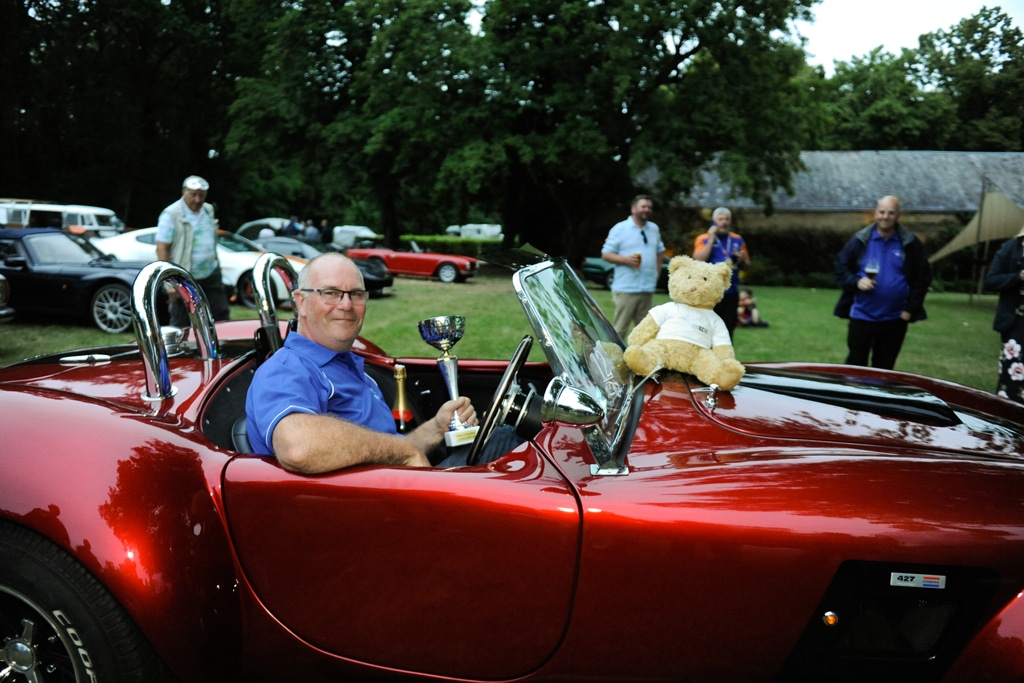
925, 181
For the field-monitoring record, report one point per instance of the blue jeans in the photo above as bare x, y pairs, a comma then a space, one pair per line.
502, 441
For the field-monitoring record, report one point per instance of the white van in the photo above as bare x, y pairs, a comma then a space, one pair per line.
76, 218
475, 230
346, 236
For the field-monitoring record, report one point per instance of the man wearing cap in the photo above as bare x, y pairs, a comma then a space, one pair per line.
186, 234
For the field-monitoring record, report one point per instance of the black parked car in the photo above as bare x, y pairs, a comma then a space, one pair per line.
376, 275
596, 269
6, 312
52, 271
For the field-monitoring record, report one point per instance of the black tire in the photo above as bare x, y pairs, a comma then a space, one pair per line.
111, 308
59, 624
244, 290
447, 272
609, 278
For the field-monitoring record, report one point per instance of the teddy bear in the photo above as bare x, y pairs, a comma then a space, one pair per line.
686, 334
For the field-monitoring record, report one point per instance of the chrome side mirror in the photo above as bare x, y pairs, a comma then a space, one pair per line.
565, 404
568, 405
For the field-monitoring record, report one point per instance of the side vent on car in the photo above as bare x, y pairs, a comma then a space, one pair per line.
881, 621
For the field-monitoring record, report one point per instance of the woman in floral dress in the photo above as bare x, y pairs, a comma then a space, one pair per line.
1006, 276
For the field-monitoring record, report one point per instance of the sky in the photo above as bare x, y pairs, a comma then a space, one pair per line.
843, 29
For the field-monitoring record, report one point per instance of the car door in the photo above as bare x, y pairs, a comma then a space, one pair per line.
467, 572
37, 285
414, 264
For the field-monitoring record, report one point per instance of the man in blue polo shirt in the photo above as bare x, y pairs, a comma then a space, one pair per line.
313, 407
720, 244
884, 275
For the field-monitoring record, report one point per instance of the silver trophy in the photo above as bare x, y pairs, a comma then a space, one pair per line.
443, 332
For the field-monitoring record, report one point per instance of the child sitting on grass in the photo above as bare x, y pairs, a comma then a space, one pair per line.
747, 314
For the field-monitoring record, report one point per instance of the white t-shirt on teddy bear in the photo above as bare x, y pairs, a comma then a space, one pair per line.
683, 322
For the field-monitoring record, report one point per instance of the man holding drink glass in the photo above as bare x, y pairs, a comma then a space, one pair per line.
884, 275
634, 246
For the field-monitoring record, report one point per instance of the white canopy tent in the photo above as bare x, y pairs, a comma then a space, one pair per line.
999, 218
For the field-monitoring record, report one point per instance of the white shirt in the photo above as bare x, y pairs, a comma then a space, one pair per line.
682, 322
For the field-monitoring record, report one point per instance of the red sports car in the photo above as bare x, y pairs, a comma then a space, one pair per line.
445, 267
815, 523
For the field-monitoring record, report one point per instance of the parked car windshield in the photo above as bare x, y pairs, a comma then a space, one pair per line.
579, 342
233, 242
60, 247
293, 247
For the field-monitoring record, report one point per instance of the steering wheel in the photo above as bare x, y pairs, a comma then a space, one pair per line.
502, 401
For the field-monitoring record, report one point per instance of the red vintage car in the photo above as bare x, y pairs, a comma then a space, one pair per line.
445, 267
815, 523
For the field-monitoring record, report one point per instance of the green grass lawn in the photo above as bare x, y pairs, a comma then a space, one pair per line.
955, 343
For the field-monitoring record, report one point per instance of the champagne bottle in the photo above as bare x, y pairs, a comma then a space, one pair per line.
400, 408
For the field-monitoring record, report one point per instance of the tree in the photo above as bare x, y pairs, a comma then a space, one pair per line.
115, 102
357, 103
550, 113
979, 65
588, 97
961, 89
872, 103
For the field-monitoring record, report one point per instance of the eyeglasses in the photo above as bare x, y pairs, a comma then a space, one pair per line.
644, 235
333, 297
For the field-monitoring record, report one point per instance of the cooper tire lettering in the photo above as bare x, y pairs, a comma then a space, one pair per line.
68, 623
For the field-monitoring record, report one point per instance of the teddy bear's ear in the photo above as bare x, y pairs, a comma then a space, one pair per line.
678, 262
725, 272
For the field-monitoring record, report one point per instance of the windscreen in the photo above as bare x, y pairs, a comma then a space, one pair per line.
579, 342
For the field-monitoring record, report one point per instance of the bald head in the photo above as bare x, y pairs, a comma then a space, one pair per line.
323, 264
331, 322
887, 213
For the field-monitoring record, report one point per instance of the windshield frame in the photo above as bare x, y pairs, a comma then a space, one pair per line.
579, 342
234, 242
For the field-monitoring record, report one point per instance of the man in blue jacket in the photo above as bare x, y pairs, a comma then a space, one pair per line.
884, 276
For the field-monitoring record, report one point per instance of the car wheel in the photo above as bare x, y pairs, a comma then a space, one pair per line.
111, 308
60, 624
246, 296
446, 272
609, 278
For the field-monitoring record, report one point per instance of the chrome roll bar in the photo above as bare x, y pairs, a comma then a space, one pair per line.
151, 338
269, 337
263, 289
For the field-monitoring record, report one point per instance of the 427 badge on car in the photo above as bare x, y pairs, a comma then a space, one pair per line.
908, 580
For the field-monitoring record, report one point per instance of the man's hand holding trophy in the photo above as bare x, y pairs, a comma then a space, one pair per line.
443, 332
